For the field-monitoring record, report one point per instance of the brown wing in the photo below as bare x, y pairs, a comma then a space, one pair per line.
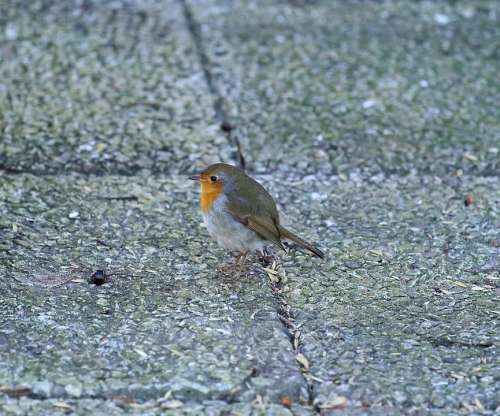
301, 242
264, 227
255, 209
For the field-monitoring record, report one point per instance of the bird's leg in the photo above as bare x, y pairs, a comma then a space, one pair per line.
238, 265
240, 261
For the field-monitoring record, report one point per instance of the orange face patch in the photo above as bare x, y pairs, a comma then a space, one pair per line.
210, 191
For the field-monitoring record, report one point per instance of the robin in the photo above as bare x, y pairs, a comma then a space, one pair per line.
240, 214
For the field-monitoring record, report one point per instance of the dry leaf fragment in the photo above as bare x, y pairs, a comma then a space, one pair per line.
469, 200
273, 278
316, 379
302, 360
171, 404
141, 353
478, 404
62, 405
470, 156
167, 396
296, 339
338, 402
124, 399
285, 401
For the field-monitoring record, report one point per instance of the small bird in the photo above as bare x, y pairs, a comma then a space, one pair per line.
240, 214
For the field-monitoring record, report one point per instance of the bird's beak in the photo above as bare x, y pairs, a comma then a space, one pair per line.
195, 177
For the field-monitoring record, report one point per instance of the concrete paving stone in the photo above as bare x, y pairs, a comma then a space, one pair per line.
342, 85
404, 313
374, 126
165, 327
102, 87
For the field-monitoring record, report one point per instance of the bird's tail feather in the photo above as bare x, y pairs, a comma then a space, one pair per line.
303, 243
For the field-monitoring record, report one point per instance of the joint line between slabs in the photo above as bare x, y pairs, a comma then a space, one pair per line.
206, 66
285, 315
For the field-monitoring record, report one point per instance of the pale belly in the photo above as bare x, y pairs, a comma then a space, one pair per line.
228, 232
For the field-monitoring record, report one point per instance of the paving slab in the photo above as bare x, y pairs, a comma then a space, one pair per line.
102, 87
376, 86
104, 109
404, 316
166, 329
374, 125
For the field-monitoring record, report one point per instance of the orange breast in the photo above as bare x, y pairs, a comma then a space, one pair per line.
209, 193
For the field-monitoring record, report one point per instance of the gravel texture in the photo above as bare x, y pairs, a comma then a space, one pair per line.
374, 124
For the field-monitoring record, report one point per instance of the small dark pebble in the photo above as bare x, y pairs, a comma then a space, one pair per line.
266, 261
226, 126
98, 278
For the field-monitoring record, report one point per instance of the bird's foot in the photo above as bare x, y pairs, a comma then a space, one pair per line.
238, 267
233, 268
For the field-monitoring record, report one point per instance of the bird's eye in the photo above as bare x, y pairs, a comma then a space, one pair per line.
213, 178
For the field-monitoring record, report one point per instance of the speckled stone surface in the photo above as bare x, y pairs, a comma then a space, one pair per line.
102, 87
374, 124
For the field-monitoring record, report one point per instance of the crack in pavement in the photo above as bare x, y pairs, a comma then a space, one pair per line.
287, 319
221, 115
284, 310
13, 169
